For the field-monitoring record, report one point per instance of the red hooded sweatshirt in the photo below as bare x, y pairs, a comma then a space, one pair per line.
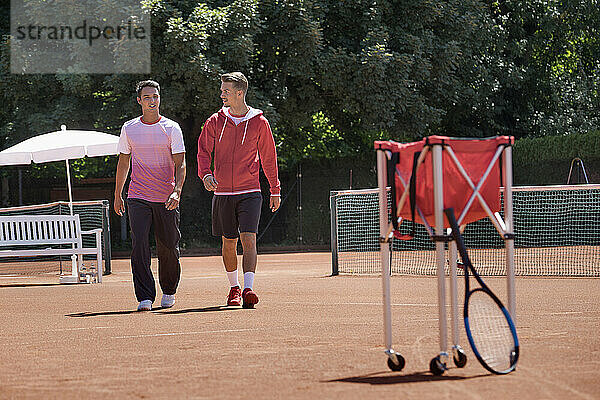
238, 149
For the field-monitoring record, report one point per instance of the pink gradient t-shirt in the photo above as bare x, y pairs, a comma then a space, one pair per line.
151, 147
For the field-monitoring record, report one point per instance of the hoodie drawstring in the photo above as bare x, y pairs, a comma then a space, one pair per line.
245, 129
223, 129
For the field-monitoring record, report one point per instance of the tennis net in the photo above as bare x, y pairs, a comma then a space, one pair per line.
557, 233
92, 214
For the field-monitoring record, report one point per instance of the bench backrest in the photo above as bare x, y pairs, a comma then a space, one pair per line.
21, 230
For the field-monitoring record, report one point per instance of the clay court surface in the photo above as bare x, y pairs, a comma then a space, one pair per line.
312, 336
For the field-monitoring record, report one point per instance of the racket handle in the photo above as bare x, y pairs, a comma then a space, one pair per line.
457, 236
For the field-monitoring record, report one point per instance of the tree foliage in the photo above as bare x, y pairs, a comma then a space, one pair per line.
550, 55
332, 76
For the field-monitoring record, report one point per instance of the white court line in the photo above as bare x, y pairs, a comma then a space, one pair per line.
14, 277
393, 304
204, 277
56, 330
32, 343
181, 333
79, 329
365, 304
563, 313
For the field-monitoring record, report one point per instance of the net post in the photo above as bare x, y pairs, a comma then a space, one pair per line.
438, 197
509, 242
384, 247
106, 232
334, 242
299, 202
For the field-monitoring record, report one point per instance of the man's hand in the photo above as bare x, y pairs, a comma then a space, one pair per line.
274, 203
210, 183
119, 205
173, 201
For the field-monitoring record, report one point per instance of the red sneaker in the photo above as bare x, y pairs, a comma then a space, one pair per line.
235, 296
250, 298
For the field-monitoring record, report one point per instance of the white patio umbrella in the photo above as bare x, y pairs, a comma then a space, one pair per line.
61, 145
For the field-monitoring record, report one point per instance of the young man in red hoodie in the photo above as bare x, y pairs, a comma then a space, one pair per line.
240, 137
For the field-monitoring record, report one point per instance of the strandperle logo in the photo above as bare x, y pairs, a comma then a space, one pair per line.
86, 32
84, 36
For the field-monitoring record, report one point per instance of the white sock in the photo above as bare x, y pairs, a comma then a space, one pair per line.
233, 278
248, 279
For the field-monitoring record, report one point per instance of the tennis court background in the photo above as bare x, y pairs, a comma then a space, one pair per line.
303, 221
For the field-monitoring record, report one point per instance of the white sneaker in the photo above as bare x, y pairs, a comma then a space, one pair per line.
145, 305
167, 300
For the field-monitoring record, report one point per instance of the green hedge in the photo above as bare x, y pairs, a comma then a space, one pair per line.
547, 160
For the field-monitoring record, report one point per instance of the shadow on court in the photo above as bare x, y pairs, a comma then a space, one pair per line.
22, 285
198, 310
98, 314
157, 310
377, 378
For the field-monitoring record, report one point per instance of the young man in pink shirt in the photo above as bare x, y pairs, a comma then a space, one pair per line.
241, 139
153, 145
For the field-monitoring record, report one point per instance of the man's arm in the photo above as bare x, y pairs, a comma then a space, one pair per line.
206, 144
122, 172
173, 200
268, 158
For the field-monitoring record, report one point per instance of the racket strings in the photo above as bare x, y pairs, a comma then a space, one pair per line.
490, 332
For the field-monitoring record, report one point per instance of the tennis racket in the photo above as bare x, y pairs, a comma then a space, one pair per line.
489, 327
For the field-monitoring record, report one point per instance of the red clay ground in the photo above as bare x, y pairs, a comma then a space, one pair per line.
311, 336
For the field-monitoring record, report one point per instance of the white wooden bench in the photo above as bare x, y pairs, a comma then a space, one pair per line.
22, 232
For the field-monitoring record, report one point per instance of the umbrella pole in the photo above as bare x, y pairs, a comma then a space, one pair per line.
69, 186
74, 269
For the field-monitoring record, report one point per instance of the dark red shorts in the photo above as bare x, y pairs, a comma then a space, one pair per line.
232, 214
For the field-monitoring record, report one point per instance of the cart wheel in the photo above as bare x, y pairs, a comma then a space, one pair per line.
436, 366
461, 360
396, 367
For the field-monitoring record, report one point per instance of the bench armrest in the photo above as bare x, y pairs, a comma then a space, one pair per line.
93, 231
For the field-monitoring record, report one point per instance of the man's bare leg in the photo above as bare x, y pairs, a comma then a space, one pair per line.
248, 240
229, 254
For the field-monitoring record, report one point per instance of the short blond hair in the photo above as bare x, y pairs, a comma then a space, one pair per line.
238, 79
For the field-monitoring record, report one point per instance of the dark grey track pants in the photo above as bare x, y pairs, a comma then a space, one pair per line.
143, 215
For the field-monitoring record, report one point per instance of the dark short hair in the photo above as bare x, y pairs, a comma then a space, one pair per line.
148, 83
239, 80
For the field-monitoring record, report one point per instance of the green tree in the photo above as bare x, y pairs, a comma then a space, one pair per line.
363, 69
550, 57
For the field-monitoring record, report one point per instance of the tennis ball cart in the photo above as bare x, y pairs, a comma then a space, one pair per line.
444, 184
